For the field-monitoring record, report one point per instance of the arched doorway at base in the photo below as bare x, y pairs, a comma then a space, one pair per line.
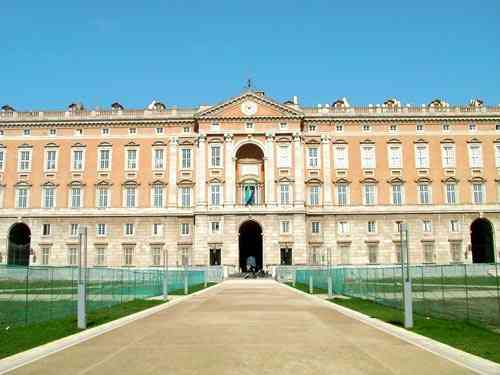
482, 241
19, 245
250, 245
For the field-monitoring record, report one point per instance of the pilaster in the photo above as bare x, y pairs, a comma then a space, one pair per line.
270, 190
230, 170
327, 171
172, 173
201, 172
299, 172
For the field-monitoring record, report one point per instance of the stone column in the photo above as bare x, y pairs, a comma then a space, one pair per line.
230, 170
172, 173
299, 172
269, 189
201, 172
327, 171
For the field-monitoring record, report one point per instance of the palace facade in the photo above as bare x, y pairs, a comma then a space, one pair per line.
281, 182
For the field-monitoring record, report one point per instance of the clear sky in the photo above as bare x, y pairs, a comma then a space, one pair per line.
188, 53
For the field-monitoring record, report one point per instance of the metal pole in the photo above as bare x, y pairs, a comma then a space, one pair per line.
82, 276
330, 276
186, 286
407, 292
165, 274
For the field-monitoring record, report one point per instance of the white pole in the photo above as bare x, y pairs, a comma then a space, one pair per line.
82, 278
408, 298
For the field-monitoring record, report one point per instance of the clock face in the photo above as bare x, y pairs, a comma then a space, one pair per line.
249, 108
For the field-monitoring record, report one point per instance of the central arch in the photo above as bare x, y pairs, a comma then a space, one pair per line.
19, 245
482, 242
250, 244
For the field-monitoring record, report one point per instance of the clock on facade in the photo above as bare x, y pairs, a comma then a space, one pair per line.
249, 108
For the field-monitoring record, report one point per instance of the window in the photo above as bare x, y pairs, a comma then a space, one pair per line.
104, 159
215, 227
448, 155
100, 256
472, 127
48, 200
78, 132
215, 125
156, 255
132, 131
158, 159
451, 193
285, 227
393, 129
497, 155
343, 227
129, 229
285, 194
420, 128
130, 196
105, 131
184, 229
157, 229
159, 131
456, 251
103, 197
445, 127
428, 252
157, 195
186, 158
132, 159
45, 255
341, 157
215, 194
397, 194
497, 127
249, 126
427, 226
312, 153
454, 226
76, 197
24, 157
283, 126
368, 157
185, 197
284, 156
342, 194
373, 253
395, 157
26, 132
312, 127
478, 192
369, 194
50, 160
72, 256
52, 132
128, 255
475, 156
74, 230
215, 158
2, 160
22, 197
367, 128
315, 227
339, 128
45, 229
423, 193
186, 129
372, 227
77, 162
421, 156
101, 230
314, 195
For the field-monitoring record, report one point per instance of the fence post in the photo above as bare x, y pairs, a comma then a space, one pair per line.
423, 290
165, 274
442, 286
466, 291
498, 291
186, 284
27, 287
205, 274
311, 285
82, 280
294, 276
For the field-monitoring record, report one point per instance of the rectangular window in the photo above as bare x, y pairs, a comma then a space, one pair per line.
372, 227
366, 128
395, 157
497, 155
215, 194
74, 230
456, 251
285, 227
283, 126
215, 227
77, 160
475, 156
52, 132
2, 160
393, 129
101, 230
129, 229
22, 197
105, 131
100, 256
45, 229
314, 195
423, 194
102, 197
104, 159
343, 227
312, 153
157, 196
427, 226
45, 255
72, 256
397, 195
215, 158
315, 227
156, 255
159, 131
49, 197
368, 157
157, 229
451, 193
128, 255
185, 197
284, 156
339, 128
373, 253
428, 252
26, 132
478, 192
341, 157
50, 162
285, 194
132, 159
185, 229
132, 131
186, 158
472, 127
158, 159
130, 196
342, 194
454, 226
448, 156
76, 197
24, 160
421, 156
369, 194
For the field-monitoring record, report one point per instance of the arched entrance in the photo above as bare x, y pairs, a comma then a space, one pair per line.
250, 174
19, 245
482, 242
250, 243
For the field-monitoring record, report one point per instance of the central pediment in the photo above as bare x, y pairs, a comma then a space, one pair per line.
250, 105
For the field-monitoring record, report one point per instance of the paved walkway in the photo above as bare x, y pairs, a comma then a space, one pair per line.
244, 327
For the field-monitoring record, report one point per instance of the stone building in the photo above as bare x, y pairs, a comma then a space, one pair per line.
250, 176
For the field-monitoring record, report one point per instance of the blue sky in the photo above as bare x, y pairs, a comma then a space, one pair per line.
188, 53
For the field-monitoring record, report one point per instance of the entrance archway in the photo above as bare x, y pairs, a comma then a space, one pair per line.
19, 245
250, 244
482, 242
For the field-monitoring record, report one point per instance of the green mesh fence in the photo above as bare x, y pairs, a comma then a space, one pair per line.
456, 291
36, 294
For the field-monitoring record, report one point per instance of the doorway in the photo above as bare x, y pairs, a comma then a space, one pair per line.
19, 245
250, 244
482, 242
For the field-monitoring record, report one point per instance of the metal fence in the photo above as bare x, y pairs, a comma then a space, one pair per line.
36, 294
457, 291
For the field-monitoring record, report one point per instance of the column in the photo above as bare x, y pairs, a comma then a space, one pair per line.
201, 172
172, 173
269, 189
298, 171
230, 170
327, 171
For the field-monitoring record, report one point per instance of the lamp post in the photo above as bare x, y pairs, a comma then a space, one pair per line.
82, 279
406, 280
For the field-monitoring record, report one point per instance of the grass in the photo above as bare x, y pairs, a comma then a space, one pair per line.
305, 288
192, 289
459, 334
19, 339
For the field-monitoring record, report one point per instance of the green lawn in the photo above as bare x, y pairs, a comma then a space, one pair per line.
459, 334
18, 339
305, 288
